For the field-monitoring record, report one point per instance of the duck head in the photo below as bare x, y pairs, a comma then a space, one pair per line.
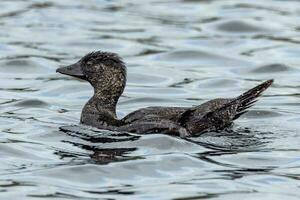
105, 71
96, 67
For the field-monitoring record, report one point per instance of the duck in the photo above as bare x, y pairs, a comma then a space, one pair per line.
106, 72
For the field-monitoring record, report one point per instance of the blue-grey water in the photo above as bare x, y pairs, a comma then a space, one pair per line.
178, 53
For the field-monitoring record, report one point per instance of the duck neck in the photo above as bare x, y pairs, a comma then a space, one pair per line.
100, 110
105, 101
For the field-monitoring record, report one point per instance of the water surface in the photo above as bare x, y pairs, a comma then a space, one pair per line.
178, 53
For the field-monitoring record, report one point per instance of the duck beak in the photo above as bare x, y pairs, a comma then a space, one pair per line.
72, 70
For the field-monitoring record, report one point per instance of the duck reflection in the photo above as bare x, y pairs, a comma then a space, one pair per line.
90, 139
105, 145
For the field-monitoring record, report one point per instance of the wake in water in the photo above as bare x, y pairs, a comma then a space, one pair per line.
109, 146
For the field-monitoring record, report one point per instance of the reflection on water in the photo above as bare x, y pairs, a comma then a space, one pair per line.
178, 53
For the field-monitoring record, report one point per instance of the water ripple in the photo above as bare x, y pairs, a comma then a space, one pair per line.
178, 53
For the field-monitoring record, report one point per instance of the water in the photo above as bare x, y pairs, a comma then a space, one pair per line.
178, 53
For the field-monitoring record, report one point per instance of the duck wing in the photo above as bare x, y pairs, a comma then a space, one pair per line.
155, 112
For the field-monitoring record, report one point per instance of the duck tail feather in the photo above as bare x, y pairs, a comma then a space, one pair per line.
247, 99
239, 114
230, 110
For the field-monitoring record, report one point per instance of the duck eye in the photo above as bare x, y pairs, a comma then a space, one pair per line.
89, 63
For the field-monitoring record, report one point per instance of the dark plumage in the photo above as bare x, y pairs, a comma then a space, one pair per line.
106, 72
